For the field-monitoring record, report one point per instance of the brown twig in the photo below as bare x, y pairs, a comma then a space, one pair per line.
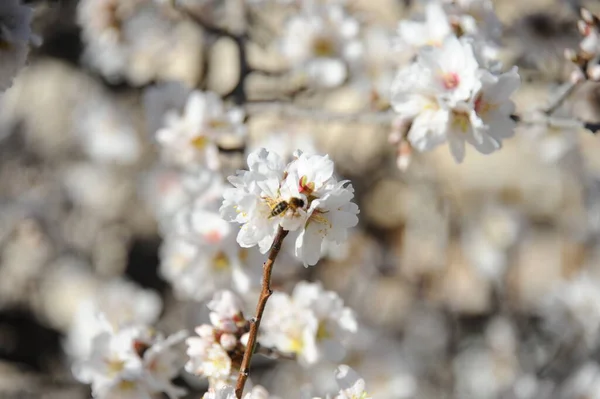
260, 308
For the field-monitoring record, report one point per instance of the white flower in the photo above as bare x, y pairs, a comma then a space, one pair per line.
290, 328
226, 311
207, 357
431, 32
351, 385
15, 35
321, 40
132, 361
200, 254
191, 137
118, 303
312, 323
106, 132
303, 195
450, 70
336, 322
447, 96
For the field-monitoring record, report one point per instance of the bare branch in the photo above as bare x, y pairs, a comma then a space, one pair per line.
260, 308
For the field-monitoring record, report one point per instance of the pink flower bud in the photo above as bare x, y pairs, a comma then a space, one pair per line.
593, 73
228, 341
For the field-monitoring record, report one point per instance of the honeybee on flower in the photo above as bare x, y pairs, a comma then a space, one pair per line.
260, 200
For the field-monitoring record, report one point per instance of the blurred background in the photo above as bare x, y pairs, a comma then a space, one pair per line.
479, 280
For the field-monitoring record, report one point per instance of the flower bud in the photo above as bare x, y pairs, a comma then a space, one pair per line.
228, 341
583, 28
571, 55
593, 72
587, 16
576, 76
205, 331
244, 339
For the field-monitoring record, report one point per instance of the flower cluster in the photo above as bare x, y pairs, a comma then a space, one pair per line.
311, 324
217, 351
131, 361
200, 254
350, 384
587, 56
448, 96
301, 196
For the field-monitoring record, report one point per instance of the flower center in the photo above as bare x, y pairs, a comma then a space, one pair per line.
460, 121
115, 366
296, 345
213, 237
323, 332
220, 261
305, 187
482, 107
199, 142
243, 254
127, 385
323, 46
451, 80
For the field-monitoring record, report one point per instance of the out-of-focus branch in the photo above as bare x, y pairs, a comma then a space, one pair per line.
288, 110
260, 308
273, 353
566, 92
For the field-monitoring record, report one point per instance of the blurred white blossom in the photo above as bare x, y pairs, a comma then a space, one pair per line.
191, 138
320, 41
131, 362
312, 323
117, 303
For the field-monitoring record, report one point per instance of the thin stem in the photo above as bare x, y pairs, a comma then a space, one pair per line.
260, 308
567, 90
292, 111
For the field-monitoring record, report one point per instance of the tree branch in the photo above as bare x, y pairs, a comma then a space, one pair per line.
567, 90
260, 308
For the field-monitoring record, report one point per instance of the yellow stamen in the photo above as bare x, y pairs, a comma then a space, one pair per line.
220, 261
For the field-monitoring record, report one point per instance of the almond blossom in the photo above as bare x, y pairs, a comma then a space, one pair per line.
313, 201
447, 96
191, 138
132, 361
312, 323
320, 40
430, 32
213, 350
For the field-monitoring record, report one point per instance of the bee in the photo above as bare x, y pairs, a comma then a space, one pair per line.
283, 206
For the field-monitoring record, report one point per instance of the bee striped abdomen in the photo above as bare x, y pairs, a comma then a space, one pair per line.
279, 208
